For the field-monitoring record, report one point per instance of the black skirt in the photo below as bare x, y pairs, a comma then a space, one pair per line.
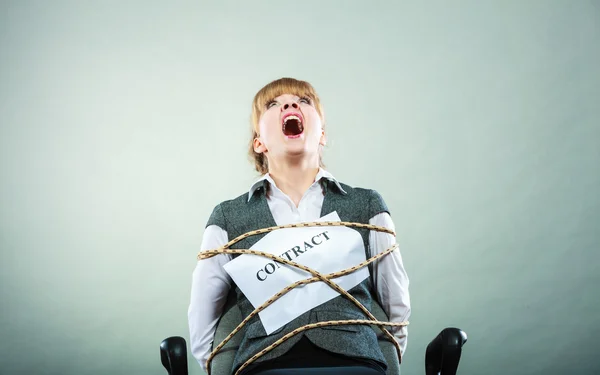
306, 354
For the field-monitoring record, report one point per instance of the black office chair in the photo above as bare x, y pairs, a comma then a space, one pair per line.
442, 355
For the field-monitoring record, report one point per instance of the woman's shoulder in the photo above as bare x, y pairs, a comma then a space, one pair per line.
225, 208
369, 198
367, 193
232, 203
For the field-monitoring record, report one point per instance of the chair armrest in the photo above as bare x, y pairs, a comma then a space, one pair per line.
173, 355
443, 352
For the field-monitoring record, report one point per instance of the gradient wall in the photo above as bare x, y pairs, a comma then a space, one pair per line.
123, 123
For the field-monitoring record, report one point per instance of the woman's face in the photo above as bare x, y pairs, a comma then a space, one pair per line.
290, 126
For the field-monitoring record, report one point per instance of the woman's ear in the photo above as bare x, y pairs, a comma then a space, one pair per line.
323, 140
259, 147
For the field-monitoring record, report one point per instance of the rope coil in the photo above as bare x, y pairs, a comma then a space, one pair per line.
317, 276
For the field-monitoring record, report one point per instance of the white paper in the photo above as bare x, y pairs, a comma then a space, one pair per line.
325, 249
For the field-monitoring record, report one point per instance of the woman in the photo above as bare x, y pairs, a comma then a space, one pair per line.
288, 135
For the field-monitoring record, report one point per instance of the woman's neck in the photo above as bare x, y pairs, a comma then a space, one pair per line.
293, 180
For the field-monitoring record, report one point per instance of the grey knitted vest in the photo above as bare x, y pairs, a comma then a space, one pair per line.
239, 216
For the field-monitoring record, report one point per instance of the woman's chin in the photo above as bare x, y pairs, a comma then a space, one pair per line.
298, 154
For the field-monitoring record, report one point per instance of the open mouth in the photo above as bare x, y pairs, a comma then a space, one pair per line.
292, 126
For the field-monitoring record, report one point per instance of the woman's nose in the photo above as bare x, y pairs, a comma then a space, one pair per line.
288, 105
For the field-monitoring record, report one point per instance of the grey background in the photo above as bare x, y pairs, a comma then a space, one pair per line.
124, 123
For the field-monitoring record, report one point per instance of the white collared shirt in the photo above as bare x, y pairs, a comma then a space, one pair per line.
211, 284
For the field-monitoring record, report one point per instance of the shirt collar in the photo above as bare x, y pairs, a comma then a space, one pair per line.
322, 174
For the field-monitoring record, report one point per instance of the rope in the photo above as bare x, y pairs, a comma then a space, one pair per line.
317, 276
287, 289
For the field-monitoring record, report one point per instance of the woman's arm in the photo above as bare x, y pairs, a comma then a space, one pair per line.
390, 278
210, 287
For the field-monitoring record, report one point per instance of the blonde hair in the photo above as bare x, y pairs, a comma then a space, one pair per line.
263, 97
